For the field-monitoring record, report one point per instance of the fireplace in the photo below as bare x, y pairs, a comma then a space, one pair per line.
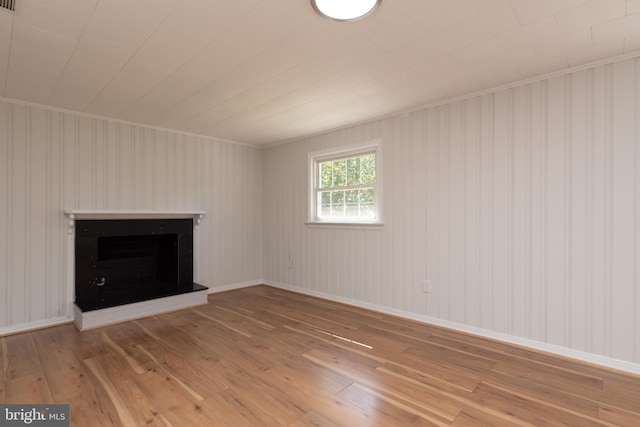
125, 261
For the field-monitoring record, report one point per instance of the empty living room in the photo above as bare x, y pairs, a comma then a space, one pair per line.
319, 213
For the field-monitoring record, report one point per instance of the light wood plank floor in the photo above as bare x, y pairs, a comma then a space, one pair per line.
265, 357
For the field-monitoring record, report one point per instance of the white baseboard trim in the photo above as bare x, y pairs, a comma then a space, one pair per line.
596, 359
234, 286
32, 326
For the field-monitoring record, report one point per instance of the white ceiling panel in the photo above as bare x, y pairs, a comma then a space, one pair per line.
590, 13
595, 52
391, 34
631, 44
133, 81
72, 94
488, 4
67, 18
530, 34
264, 71
478, 52
626, 26
529, 11
439, 15
36, 61
488, 23
438, 44
166, 94
128, 22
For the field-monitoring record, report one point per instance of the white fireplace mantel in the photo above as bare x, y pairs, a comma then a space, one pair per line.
75, 214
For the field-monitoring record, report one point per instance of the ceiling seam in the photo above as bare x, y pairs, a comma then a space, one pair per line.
131, 57
75, 46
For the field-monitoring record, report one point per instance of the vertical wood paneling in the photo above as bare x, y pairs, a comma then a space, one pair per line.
456, 215
580, 242
623, 209
486, 211
5, 188
637, 207
501, 209
472, 203
51, 161
555, 213
37, 201
418, 223
599, 208
441, 289
536, 306
18, 216
431, 214
521, 206
608, 204
56, 239
521, 209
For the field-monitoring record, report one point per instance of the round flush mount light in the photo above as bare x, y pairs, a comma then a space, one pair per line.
345, 10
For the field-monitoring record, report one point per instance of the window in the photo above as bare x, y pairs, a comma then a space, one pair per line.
345, 185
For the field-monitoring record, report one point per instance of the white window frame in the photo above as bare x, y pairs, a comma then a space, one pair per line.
318, 157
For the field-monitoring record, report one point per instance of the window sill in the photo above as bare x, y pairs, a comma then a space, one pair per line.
346, 225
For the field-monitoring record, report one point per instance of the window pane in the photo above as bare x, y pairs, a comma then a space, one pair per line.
368, 169
353, 171
366, 210
339, 173
366, 195
324, 199
351, 203
337, 203
366, 202
325, 175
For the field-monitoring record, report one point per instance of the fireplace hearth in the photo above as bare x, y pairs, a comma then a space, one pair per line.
125, 261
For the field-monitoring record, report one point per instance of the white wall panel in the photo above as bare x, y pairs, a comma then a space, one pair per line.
51, 161
521, 206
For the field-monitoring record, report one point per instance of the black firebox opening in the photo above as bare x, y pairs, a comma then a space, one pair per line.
124, 261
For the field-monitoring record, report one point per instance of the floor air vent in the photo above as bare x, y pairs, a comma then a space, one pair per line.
8, 4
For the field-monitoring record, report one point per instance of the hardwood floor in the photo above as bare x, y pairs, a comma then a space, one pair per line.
265, 357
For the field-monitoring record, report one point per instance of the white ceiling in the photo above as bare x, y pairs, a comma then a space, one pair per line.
265, 71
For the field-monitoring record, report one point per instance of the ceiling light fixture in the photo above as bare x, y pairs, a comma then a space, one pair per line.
345, 10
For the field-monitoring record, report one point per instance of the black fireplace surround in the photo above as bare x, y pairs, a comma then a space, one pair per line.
122, 261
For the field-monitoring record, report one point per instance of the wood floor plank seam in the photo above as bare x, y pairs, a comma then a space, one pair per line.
465, 401
430, 377
188, 389
405, 407
358, 379
126, 418
547, 403
264, 325
231, 328
130, 360
42, 372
